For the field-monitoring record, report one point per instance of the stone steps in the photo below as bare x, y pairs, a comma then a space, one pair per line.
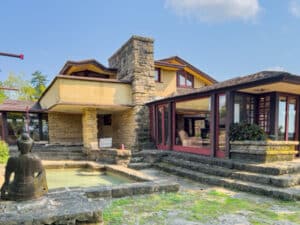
291, 193
269, 169
285, 180
139, 166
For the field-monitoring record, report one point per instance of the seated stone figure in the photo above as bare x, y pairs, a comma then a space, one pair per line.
29, 174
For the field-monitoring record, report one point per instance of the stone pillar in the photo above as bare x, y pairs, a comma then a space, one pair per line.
89, 129
135, 63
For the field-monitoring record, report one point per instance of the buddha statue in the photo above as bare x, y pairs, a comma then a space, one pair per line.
29, 180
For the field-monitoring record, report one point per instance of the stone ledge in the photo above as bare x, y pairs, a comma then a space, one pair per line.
112, 156
56, 208
132, 189
280, 143
264, 152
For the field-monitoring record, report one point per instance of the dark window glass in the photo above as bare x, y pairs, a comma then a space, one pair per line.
157, 75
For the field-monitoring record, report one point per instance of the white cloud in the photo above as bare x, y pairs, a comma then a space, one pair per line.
215, 10
276, 68
294, 8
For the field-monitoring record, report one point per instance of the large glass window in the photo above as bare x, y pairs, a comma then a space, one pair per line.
221, 122
35, 124
192, 122
281, 118
243, 108
163, 135
185, 80
264, 113
287, 118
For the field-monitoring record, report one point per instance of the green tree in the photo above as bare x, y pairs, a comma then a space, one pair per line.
38, 82
2, 93
26, 91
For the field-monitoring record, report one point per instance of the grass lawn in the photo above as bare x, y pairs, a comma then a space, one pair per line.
190, 207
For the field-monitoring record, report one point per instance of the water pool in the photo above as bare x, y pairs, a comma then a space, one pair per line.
82, 177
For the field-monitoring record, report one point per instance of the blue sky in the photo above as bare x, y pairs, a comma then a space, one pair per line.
224, 38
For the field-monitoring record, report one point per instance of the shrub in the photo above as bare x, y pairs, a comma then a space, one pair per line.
246, 132
4, 152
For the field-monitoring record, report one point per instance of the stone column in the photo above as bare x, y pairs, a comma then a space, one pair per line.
135, 63
89, 129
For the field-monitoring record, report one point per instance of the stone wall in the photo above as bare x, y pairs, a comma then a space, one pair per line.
135, 63
90, 129
65, 128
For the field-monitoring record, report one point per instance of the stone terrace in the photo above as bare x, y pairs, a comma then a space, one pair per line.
279, 180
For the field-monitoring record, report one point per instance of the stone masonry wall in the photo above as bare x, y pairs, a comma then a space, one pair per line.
64, 128
135, 63
89, 129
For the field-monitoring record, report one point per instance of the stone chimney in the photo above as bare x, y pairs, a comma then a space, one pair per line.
135, 63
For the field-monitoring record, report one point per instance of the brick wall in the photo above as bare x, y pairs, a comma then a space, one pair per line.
65, 128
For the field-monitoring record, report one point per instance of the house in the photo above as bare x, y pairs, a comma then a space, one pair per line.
88, 101
199, 122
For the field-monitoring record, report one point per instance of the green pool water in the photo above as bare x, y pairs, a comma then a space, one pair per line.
81, 177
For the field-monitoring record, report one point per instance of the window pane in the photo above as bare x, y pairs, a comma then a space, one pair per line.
243, 108
189, 80
222, 122
281, 118
159, 129
181, 80
166, 125
193, 123
156, 75
292, 119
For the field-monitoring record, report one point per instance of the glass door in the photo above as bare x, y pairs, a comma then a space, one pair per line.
287, 118
163, 136
221, 126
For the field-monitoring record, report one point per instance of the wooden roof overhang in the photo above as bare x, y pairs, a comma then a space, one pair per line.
178, 61
77, 108
90, 64
259, 83
20, 106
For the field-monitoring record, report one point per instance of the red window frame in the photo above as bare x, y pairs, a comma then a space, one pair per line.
158, 79
288, 99
186, 76
195, 150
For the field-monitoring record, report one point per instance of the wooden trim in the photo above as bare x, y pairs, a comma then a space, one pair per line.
88, 105
166, 64
213, 116
4, 126
276, 115
229, 120
196, 70
186, 76
286, 132
94, 62
218, 152
217, 90
273, 124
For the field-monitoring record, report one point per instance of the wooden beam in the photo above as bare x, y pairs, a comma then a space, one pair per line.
213, 117
229, 119
4, 126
